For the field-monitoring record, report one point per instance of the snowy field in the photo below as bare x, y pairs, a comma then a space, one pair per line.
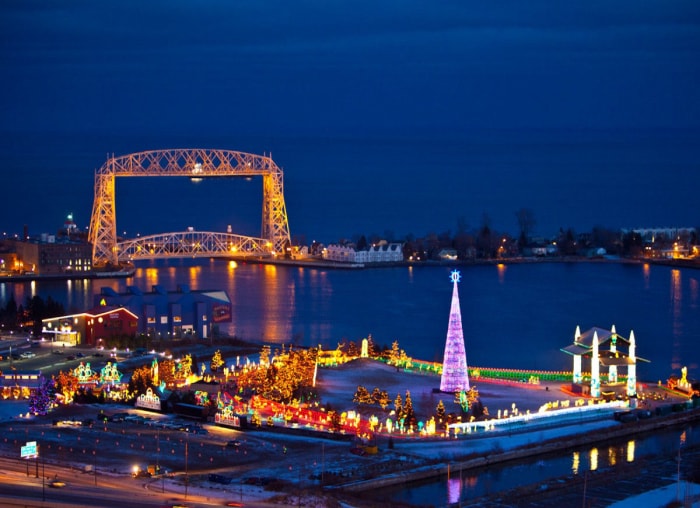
295, 462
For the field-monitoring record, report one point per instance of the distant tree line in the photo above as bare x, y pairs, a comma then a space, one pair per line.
28, 316
487, 242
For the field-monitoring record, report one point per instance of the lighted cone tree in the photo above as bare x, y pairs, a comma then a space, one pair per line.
455, 376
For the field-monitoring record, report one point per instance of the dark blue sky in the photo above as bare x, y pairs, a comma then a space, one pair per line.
253, 75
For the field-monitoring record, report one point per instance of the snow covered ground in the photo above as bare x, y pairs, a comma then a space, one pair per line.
293, 463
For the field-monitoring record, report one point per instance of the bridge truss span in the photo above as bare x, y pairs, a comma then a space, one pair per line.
193, 244
191, 163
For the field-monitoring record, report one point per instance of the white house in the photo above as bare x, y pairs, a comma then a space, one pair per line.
384, 253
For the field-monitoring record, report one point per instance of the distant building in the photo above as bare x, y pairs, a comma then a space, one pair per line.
19, 384
177, 313
92, 327
49, 254
650, 235
387, 253
342, 254
382, 253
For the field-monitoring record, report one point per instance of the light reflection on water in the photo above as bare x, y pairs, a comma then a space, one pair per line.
537, 304
463, 486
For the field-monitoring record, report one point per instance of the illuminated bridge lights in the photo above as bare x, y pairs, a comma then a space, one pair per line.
201, 163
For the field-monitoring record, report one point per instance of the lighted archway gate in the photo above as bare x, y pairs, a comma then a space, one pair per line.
199, 163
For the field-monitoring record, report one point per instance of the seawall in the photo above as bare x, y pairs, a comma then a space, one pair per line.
545, 447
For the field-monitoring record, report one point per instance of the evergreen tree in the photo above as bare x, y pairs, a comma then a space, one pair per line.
398, 406
384, 399
371, 348
9, 315
395, 354
440, 410
362, 396
41, 400
408, 407
216, 361
265, 355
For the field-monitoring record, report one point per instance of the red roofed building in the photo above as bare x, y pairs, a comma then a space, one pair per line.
89, 328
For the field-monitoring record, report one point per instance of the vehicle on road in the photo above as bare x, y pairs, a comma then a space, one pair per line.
137, 472
27, 354
235, 443
57, 484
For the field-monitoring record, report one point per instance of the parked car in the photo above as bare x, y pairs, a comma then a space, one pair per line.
118, 417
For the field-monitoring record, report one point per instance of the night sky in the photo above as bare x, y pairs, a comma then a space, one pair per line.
421, 112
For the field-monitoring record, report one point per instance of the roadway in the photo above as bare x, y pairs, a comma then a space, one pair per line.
17, 488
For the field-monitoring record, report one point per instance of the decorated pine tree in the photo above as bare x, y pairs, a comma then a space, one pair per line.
440, 410
408, 407
395, 354
41, 400
384, 399
398, 406
216, 361
455, 376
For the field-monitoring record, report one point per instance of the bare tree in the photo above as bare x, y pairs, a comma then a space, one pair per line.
526, 224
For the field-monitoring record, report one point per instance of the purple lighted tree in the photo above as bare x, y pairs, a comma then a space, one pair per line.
455, 376
41, 400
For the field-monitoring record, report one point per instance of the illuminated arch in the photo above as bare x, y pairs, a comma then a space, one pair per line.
198, 163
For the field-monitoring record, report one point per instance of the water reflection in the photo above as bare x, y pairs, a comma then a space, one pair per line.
314, 306
575, 462
630, 450
676, 296
501, 272
594, 459
646, 269
194, 273
454, 490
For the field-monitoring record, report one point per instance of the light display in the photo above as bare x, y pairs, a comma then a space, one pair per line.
109, 374
595, 368
148, 400
455, 376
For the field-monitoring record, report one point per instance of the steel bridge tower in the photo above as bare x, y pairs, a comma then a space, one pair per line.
191, 163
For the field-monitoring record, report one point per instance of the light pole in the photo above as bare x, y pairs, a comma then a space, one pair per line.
94, 456
187, 442
43, 478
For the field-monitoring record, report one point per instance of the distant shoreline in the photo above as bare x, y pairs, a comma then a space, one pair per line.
117, 274
319, 263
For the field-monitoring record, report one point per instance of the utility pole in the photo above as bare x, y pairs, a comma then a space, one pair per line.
187, 442
43, 478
